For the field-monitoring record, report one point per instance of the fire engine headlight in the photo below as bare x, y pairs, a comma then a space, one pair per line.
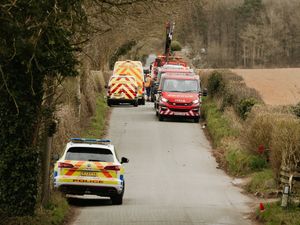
164, 100
196, 101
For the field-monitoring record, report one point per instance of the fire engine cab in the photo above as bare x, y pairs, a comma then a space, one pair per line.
178, 96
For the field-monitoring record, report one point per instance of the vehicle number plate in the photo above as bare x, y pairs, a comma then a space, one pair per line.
88, 174
179, 113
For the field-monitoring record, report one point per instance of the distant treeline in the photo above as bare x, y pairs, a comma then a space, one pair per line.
243, 33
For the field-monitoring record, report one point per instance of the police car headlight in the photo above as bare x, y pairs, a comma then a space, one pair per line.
196, 101
164, 100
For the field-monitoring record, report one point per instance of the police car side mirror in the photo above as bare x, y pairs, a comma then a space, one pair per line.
124, 160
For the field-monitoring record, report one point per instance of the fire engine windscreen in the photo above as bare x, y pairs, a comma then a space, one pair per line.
89, 154
172, 85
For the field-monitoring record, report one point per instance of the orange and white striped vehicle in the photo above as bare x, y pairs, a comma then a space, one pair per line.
132, 68
122, 89
90, 166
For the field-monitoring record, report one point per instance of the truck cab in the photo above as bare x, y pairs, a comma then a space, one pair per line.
178, 96
178, 70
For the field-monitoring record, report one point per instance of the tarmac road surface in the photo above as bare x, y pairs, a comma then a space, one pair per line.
171, 178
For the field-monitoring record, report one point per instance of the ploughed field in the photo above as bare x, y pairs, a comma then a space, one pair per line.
276, 86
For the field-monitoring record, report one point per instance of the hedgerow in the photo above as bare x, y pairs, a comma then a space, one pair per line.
35, 43
233, 92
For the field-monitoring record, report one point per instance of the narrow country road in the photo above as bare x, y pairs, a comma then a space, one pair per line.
171, 178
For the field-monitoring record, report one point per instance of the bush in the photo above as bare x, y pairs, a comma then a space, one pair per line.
285, 144
274, 214
258, 132
122, 50
227, 98
215, 83
296, 109
244, 106
241, 162
54, 214
233, 92
262, 182
176, 46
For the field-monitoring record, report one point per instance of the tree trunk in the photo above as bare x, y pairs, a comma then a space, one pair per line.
47, 141
46, 171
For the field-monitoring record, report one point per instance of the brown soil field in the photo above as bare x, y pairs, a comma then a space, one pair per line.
276, 86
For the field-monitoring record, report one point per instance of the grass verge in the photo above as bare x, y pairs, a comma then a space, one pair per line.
54, 213
237, 139
218, 126
58, 210
262, 184
274, 214
233, 158
240, 162
97, 128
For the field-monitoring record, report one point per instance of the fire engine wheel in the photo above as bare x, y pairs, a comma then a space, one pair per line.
135, 104
156, 113
160, 117
196, 120
109, 103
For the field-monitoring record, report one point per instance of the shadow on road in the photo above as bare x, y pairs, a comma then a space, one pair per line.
179, 120
86, 202
122, 105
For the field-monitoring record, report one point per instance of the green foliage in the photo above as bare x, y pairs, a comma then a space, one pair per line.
215, 83
259, 132
244, 107
233, 92
274, 214
122, 50
250, 10
35, 42
262, 182
53, 214
241, 162
97, 128
18, 182
217, 124
237, 160
176, 46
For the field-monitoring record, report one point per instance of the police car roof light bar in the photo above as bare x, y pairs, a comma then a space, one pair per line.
89, 140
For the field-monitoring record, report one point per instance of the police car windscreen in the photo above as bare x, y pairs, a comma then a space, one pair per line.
89, 154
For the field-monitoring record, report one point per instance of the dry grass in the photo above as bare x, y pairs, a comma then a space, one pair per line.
286, 143
204, 75
77, 106
258, 131
278, 131
276, 86
68, 126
